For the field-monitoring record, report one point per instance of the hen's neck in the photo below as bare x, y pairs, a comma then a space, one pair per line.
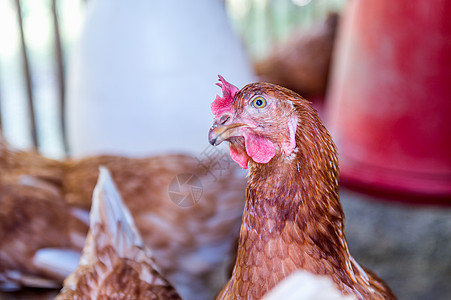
297, 192
292, 220
301, 188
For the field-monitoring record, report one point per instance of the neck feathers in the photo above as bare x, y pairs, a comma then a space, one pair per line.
293, 218
301, 191
306, 179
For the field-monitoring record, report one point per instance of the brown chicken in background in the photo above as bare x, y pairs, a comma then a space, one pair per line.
115, 262
302, 62
44, 206
293, 218
34, 220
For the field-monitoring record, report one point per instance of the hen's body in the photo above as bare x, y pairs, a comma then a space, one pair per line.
192, 244
292, 218
44, 207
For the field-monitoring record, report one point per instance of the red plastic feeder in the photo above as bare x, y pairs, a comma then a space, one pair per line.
389, 103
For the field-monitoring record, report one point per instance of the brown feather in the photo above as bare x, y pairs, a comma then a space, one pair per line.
115, 263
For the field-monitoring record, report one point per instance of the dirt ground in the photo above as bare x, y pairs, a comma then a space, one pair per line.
408, 246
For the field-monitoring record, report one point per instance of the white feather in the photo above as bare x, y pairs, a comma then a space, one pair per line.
108, 209
56, 261
303, 285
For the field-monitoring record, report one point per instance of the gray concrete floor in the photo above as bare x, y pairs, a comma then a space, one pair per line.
408, 246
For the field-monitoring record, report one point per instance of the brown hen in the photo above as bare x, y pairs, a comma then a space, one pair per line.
115, 263
292, 219
44, 207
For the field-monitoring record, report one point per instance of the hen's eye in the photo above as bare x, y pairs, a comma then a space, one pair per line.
259, 102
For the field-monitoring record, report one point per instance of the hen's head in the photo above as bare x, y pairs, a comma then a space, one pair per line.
259, 121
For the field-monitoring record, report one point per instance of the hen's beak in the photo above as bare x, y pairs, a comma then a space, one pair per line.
220, 133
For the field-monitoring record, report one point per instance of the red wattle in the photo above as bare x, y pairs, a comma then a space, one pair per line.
260, 149
239, 156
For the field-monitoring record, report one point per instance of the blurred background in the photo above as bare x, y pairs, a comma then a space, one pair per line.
88, 77
35, 55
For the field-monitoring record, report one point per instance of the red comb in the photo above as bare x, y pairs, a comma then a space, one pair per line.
224, 103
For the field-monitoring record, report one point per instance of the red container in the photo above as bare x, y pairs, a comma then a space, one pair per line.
389, 102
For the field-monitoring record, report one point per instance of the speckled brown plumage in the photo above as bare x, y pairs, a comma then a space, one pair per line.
125, 279
292, 218
44, 203
115, 263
